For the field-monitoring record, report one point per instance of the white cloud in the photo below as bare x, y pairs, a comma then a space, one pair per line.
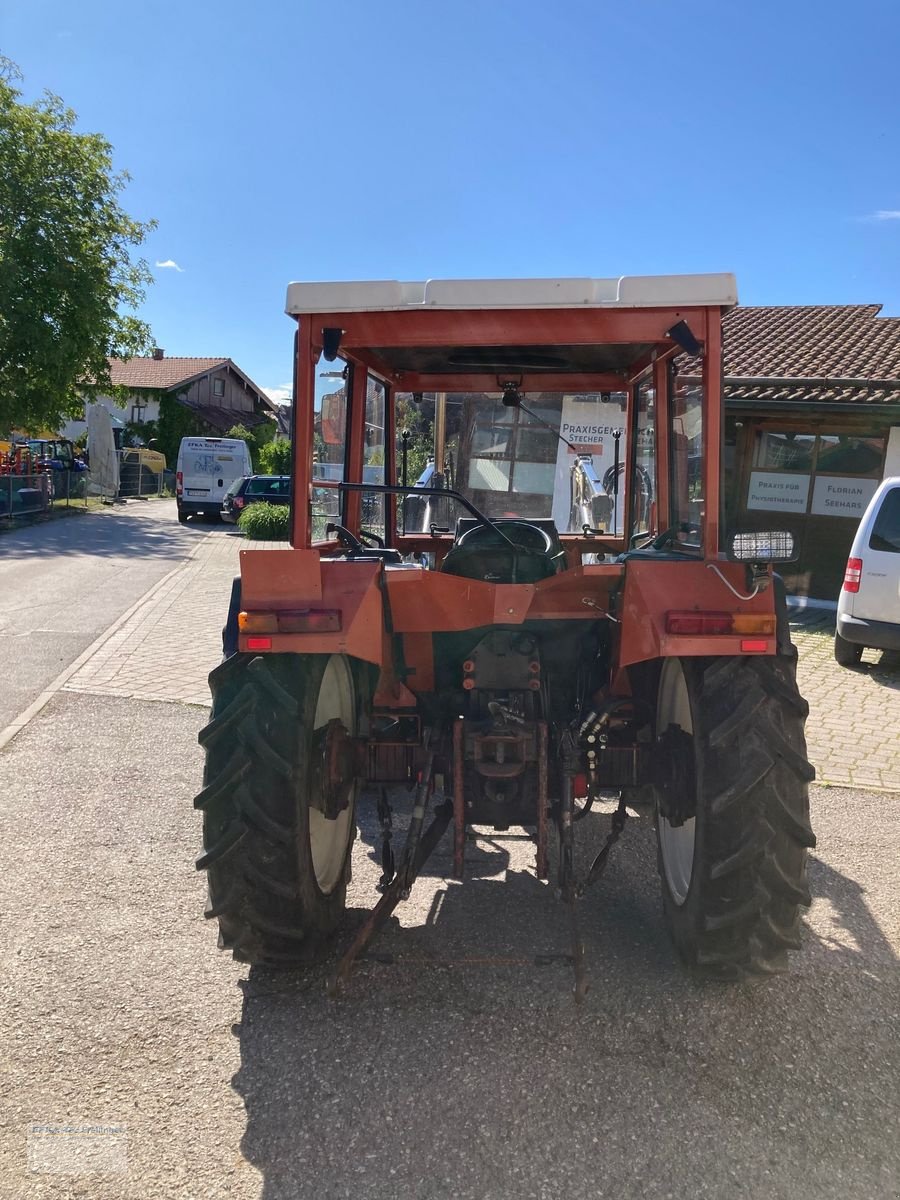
171, 265
280, 395
885, 214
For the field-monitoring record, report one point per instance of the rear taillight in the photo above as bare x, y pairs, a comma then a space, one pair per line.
853, 574
238, 502
179, 482
698, 622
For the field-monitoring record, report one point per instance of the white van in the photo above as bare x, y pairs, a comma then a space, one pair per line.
868, 612
206, 469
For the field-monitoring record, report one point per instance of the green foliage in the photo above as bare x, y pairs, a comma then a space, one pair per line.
139, 433
241, 432
266, 522
256, 439
176, 421
67, 281
275, 458
264, 433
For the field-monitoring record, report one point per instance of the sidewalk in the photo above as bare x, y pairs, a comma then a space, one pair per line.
168, 646
853, 731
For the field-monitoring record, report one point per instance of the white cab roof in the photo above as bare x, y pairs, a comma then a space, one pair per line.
628, 291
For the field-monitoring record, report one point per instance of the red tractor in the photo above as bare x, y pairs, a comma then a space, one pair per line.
508, 586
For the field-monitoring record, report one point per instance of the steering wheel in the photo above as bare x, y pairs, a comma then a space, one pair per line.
522, 534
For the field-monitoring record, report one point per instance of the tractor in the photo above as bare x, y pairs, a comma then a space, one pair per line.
509, 587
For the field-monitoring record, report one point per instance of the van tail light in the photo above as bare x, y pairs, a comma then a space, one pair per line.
853, 574
179, 482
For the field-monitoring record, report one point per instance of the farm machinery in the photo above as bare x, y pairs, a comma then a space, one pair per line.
509, 587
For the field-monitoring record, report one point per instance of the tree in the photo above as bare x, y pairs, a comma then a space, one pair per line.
68, 285
256, 438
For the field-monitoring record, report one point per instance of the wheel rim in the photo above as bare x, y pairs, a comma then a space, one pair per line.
676, 842
329, 839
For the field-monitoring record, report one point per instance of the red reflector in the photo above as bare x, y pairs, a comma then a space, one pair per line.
754, 645
698, 622
853, 574
259, 643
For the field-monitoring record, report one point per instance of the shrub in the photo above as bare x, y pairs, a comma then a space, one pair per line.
266, 522
275, 458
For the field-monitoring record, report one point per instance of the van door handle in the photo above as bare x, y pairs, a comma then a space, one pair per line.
219, 483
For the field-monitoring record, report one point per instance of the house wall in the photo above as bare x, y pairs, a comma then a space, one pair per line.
119, 412
237, 398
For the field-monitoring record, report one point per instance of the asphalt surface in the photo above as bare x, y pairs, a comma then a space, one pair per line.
455, 1065
64, 582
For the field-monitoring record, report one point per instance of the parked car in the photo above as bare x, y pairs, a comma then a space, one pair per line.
276, 489
206, 468
869, 604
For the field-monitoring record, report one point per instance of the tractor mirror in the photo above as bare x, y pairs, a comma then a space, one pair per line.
771, 546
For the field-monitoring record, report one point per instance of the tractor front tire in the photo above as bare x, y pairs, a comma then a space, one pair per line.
277, 867
732, 858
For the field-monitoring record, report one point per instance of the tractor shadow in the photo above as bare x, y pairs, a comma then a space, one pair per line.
456, 1062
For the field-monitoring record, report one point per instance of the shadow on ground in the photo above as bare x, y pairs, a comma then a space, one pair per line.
457, 1065
123, 531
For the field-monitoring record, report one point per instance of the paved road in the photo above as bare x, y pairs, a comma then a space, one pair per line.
434, 1077
63, 583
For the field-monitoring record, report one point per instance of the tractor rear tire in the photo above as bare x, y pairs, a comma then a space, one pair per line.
734, 871
277, 868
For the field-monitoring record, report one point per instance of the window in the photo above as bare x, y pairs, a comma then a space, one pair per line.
642, 512
218, 387
329, 441
687, 461
886, 530
137, 413
824, 475
373, 503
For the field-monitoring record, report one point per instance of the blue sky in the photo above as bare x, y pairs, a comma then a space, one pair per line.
405, 139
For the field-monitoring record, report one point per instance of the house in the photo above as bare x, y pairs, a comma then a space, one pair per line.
215, 393
812, 423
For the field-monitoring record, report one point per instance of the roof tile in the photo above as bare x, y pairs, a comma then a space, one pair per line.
159, 372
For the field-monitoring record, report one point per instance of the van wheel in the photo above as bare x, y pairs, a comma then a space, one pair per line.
182, 517
733, 831
846, 654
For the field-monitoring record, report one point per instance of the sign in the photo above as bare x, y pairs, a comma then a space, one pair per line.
839, 496
590, 425
778, 490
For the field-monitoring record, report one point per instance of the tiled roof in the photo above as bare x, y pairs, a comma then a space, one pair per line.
159, 372
831, 353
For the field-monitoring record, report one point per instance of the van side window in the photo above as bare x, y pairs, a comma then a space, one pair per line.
886, 530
